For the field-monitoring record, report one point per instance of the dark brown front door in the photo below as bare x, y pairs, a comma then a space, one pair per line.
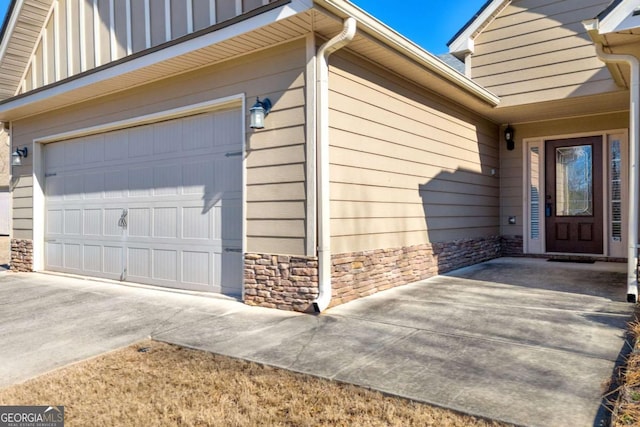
573, 202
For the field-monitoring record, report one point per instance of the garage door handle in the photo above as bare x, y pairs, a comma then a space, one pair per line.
122, 222
233, 250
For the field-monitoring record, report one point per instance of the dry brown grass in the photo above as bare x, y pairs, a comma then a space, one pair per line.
627, 409
170, 385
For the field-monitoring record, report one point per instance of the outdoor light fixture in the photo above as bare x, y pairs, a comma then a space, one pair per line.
259, 111
16, 156
509, 137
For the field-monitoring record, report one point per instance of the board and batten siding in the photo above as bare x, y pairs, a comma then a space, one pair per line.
407, 166
538, 50
79, 35
275, 178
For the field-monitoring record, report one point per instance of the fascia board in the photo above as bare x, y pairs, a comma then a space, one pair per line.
614, 19
464, 42
406, 47
290, 9
11, 25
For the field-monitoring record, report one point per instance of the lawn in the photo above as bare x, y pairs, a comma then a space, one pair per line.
627, 408
157, 384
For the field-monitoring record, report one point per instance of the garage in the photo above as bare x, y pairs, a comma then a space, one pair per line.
155, 203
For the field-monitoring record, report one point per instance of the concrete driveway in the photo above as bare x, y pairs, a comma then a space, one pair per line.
520, 340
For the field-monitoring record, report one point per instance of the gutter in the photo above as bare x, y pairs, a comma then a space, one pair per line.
322, 129
634, 159
387, 36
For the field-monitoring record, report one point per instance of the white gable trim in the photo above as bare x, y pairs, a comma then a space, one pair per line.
464, 43
11, 25
258, 21
620, 18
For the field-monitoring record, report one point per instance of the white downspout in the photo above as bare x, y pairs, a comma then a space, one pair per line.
634, 159
322, 131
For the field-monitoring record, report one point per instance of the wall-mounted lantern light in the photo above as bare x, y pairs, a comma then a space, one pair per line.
16, 156
259, 111
509, 137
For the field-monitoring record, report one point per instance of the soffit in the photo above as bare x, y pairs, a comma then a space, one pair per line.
375, 51
277, 28
16, 47
563, 108
163, 62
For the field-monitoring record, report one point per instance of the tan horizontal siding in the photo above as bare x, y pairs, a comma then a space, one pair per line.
406, 165
364, 193
365, 209
276, 160
276, 210
539, 51
284, 245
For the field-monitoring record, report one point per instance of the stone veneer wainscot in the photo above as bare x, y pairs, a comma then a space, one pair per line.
358, 274
291, 283
21, 255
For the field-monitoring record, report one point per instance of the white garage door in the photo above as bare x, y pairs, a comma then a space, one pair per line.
159, 204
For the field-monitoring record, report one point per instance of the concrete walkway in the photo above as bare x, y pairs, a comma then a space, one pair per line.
520, 340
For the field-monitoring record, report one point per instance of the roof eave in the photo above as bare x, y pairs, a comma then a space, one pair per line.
406, 47
66, 91
463, 41
593, 30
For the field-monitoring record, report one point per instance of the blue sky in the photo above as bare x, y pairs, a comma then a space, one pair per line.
431, 23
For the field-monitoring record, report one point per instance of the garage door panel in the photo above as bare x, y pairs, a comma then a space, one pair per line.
196, 224
72, 256
165, 264
197, 132
157, 204
74, 153
116, 183
54, 188
53, 251
112, 259
73, 187
140, 182
225, 125
139, 222
92, 222
230, 262
55, 222
197, 177
140, 141
167, 180
112, 218
139, 263
225, 213
94, 186
73, 222
93, 150
166, 137
54, 156
92, 259
165, 223
116, 145
196, 268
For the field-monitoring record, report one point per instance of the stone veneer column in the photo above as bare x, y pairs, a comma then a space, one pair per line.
280, 281
512, 246
21, 255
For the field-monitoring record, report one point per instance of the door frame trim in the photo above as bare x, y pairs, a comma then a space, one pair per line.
532, 245
37, 151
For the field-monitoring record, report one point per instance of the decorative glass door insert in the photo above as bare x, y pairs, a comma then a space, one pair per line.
574, 181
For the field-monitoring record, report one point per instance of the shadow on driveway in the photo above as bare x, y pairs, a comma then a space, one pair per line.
517, 340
